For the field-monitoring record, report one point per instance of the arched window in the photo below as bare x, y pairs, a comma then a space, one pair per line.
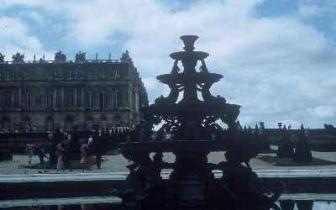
69, 98
16, 98
79, 97
116, 99
103, 100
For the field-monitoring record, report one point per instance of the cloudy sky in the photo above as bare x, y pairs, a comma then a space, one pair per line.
278, 57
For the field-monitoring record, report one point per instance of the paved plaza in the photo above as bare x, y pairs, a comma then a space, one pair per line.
117, 163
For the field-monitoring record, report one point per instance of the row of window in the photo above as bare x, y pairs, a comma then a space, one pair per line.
64, 98
61, 75
49, 124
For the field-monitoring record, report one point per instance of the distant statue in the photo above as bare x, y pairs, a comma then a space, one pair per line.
144, 180
80, 57
303, 152
2, 58
285, 148
60, 57
125, 57
243, 185
42, 60
18, 58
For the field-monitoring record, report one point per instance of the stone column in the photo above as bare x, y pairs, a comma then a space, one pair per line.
20, 97
82, 97
136, 100
75, 97
12, 97
130, 99
32, 99
55, 98
116, 101
125, 97
90, 99
62, 97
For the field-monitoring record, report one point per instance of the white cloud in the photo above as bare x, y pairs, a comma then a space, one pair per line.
323, 111
308, 10
33, 16
15, 37
277, 68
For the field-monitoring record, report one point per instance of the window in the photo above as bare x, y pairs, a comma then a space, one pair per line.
116, 73
26, 100
90, 99
103, 101
50, 99
79, 97
8, 99
49, 125
16, 98
69, 98
58, 98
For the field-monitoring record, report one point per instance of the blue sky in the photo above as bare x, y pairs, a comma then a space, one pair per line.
278, 57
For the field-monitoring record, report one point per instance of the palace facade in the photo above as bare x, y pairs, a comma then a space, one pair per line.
86, 94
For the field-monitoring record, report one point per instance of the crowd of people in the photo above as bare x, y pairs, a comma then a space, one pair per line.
64, 149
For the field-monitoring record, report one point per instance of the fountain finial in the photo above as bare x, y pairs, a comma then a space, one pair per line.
189, 41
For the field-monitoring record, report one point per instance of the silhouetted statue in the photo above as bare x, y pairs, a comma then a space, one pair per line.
18, 58
80, 57
126, 58
244, 185
144, 181
263, 138
60, 57
2, 58
302, 150
285, 148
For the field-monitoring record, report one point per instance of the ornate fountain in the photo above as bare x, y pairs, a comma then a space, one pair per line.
187, 121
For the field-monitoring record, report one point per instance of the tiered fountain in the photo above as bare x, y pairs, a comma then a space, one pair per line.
189, 115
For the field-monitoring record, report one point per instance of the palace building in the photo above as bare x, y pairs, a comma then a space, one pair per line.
84, 94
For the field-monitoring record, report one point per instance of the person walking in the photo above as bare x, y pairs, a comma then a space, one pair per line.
55, 138
41, 153
30, 152
84, 156
98, 148
68, 152
60, 156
